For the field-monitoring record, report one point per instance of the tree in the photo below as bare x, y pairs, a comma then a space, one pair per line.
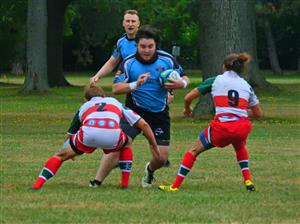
284, 17
12, 34
44, 44
274, 63
36, 77
226, 26
177, 25
271, 43
94, 30
56, 10
264, 11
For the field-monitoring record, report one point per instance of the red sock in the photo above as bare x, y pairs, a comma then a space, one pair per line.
125, 163
185, 167
49, 170
243, 160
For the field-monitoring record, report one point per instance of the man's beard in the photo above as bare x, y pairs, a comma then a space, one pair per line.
143, 61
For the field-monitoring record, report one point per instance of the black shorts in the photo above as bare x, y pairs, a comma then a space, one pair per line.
158, 121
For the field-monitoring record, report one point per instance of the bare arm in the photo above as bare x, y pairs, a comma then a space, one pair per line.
188, 99
147, 131
67, 137
105, 69
122, 87
255, 112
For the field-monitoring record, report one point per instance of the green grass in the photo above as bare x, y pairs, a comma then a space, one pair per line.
33, 128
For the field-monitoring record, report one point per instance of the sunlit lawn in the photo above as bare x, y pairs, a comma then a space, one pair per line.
33, 128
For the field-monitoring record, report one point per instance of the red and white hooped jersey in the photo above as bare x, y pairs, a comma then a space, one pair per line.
232, 96
100, 118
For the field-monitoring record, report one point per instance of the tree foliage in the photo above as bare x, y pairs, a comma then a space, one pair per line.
176, 24
12, 32
96, 25
284, 17
92, 27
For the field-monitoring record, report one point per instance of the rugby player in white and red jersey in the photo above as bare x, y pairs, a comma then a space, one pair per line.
96, 125
234, 101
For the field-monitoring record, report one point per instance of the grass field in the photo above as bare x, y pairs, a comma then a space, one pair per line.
33, 128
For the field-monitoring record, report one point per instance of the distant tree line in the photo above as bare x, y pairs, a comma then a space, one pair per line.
91, 27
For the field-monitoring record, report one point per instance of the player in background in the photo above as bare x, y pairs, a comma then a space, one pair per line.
234, 101
125, 46
96, 125
149, 97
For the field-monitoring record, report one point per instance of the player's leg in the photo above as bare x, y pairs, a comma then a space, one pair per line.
243, 160
202, 144
162, 136
125, 164
52, 165
109, 160
164, 150
242, 129
107, 163
154, 165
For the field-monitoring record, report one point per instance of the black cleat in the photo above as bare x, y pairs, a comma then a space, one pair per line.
249, 185
95, 183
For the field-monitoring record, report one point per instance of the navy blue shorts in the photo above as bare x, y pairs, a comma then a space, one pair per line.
158, 121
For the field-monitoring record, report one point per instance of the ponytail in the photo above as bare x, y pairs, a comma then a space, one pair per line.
236, 62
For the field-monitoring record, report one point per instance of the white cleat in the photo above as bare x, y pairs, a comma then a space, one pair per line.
148, 177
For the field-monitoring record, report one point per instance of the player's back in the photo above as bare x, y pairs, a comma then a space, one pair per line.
124, 47
101, 107
231, 94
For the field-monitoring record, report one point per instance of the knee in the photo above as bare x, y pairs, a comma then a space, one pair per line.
164, 156
62, 155
196, 151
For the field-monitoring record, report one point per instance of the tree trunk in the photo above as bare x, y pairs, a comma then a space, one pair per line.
204, 108
36, 77
226, 26
274, 63
56, 10
17, 68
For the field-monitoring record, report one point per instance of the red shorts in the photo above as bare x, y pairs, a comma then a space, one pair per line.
221, 134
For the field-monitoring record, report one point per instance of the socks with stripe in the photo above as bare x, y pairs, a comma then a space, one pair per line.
49, 170
185, 167
125, 163
242, 158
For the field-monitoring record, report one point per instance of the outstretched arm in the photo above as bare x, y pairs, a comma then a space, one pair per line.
147, 131
122, 87
188, 99
255, 112
105, 69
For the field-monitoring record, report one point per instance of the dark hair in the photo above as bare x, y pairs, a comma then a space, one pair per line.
92, 90
147, 32
236, 62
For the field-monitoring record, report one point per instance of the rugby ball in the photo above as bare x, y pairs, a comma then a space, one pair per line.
168, 75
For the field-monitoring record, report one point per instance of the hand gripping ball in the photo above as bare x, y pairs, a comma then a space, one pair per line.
168, 74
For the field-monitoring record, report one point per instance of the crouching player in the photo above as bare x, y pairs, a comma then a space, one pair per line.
96, 125
234, 101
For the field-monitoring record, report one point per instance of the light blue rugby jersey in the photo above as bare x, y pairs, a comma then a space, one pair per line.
151, 96
124, 47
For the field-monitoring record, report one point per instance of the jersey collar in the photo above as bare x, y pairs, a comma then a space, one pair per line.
151, 61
